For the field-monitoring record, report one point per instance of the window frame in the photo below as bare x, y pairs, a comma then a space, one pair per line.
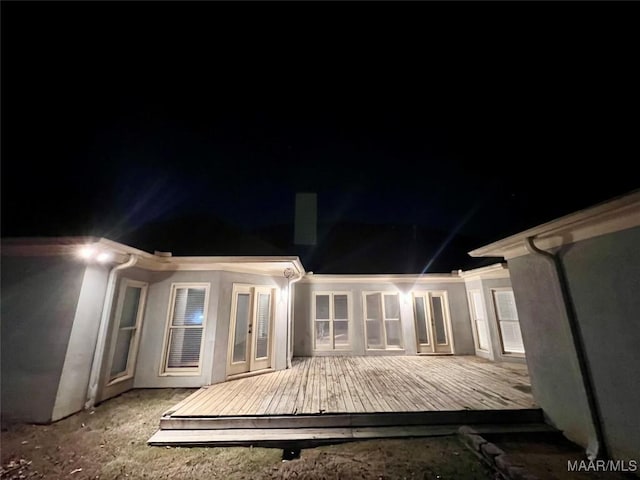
473, 306
183, 371
134, 344
384, 346
503, 350
332, 347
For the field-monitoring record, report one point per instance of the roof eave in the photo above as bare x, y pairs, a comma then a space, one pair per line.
612, 216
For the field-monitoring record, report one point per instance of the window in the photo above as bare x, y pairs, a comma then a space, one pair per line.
382, 320
185, 326
507, 316
331, 320
129, 312
479, 319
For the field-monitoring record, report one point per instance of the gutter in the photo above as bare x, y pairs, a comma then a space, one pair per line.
599, 450
98, 353
288, 273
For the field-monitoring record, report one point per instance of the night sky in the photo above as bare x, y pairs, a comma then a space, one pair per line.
426, 129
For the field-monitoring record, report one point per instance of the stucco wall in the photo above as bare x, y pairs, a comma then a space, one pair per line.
72, 390
551, 356
460, 322
39, 302
604, 282
216, 329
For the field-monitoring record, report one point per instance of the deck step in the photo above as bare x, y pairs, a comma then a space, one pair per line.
311, 437
350, 420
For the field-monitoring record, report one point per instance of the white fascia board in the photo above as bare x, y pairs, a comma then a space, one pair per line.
48, 246
391, 279
262, 265
43, 246
497, 270
60, 246
609, 217
123, 249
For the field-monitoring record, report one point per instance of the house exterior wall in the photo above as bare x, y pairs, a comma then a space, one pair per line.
304, 317
603, 274
72, 390
576, 281
39, 303
551, 356
603, 278
460, 319
216, 328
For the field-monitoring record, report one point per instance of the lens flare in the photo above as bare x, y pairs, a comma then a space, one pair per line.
87, 252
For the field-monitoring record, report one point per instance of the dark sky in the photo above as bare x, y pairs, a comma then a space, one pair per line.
469, 119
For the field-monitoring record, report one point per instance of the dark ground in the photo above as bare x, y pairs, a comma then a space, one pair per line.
109, 442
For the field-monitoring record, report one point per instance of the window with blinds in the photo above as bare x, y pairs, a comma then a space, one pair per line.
507, 316
185, 327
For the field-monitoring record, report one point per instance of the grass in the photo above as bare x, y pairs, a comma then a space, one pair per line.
109, 442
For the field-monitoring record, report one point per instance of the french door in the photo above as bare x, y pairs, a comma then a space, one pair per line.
433, 327
250, 334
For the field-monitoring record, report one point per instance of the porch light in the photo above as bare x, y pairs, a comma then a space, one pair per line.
91, 253
87, 252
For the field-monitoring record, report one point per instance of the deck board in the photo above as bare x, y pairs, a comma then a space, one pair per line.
310, 437
366, 385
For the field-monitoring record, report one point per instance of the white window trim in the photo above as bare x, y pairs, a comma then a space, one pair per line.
332, 319
504, 352
183, 371
384, 347
474, 319
133, 350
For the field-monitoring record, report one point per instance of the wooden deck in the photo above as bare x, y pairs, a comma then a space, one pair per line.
328, 399
324, 385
